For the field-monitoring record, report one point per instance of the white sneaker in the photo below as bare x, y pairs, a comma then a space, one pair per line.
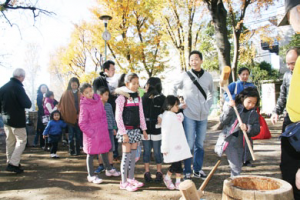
56, 156
94, 179
112, 172
52, 155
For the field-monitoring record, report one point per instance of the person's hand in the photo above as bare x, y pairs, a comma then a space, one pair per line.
125, 138
231, 103
243, 127
115, 132
183, 106
298, 179
145, 135
44, 136
159, 120
165, 154
274, 118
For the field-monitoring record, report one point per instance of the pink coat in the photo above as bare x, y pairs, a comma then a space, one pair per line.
93, 124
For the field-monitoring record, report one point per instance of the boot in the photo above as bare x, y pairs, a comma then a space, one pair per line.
77, 149
71, 148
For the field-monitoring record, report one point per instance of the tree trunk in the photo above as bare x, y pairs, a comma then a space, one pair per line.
182, 60
236, 38
219, 16
190, 36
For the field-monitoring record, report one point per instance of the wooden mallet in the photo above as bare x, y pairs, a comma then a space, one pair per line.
188, 189
224, 84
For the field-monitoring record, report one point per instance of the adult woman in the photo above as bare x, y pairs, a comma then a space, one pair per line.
43, 88
235, 88
69, 108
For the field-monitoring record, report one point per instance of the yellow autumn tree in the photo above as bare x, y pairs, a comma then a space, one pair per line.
136, 43
181, 23
237, 13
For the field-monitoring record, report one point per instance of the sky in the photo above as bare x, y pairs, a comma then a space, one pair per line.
48, 31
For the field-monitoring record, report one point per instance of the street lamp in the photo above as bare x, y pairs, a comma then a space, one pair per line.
106, 35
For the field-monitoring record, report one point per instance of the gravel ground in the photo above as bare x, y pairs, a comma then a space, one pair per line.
65, 178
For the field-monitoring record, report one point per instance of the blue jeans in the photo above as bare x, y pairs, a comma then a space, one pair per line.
74, 131
195, 132
148, 145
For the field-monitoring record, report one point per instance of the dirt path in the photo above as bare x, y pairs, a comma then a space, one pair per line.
65, 178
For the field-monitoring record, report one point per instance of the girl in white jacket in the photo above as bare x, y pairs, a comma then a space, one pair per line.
174, 144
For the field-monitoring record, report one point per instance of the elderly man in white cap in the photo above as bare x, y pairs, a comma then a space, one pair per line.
290, 158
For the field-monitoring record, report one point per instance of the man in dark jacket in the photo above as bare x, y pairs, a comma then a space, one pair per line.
106, 79
13, 101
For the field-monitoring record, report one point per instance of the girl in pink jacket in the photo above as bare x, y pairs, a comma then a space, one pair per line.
93, 123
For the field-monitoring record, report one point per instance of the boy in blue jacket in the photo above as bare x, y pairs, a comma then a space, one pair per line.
54, 130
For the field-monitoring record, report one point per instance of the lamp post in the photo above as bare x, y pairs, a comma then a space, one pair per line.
106, 35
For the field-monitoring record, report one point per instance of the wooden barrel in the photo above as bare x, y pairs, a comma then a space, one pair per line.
256, 187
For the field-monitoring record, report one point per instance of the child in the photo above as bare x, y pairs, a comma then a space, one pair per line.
153, 101
236, 150
53, 130
130, 118
112, 127
92, 121
49, 103
48, 109
174, 144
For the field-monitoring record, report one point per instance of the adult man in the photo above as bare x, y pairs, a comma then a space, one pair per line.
290, 158
196, 109
291, 57
106, 79
13, 101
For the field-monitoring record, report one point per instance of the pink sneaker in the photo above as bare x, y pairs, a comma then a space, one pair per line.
127, 186
177, 185
169, 184
135, 183
112, 172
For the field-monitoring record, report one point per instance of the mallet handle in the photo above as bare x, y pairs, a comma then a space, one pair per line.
211, 173
240, 122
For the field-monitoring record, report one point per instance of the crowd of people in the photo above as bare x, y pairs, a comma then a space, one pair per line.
98, 117
154, 120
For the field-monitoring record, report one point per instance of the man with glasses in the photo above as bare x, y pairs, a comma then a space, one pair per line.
291, 57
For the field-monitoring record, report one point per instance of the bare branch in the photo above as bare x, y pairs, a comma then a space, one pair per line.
115, 57
35, 11
171, 34
12, 24
32, 8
